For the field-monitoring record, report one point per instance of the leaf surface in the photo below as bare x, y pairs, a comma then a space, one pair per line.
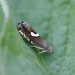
54, 20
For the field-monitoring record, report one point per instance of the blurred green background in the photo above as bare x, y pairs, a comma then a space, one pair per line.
54, 20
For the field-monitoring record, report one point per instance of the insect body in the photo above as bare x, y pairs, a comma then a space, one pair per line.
27, 32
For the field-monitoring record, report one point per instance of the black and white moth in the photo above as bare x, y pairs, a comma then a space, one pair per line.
27, 32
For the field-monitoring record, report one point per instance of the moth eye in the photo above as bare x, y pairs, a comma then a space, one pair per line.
22, 22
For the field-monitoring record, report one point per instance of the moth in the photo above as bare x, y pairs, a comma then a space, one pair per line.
36, 40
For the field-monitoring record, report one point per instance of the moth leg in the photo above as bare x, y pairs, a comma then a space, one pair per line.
42, 52
39, 48
36, 47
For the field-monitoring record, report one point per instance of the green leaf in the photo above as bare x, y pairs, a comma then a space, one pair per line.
54, 20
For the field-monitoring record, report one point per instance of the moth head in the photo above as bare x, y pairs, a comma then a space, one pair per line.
25, 25
20, 29
24, 28
19, 26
